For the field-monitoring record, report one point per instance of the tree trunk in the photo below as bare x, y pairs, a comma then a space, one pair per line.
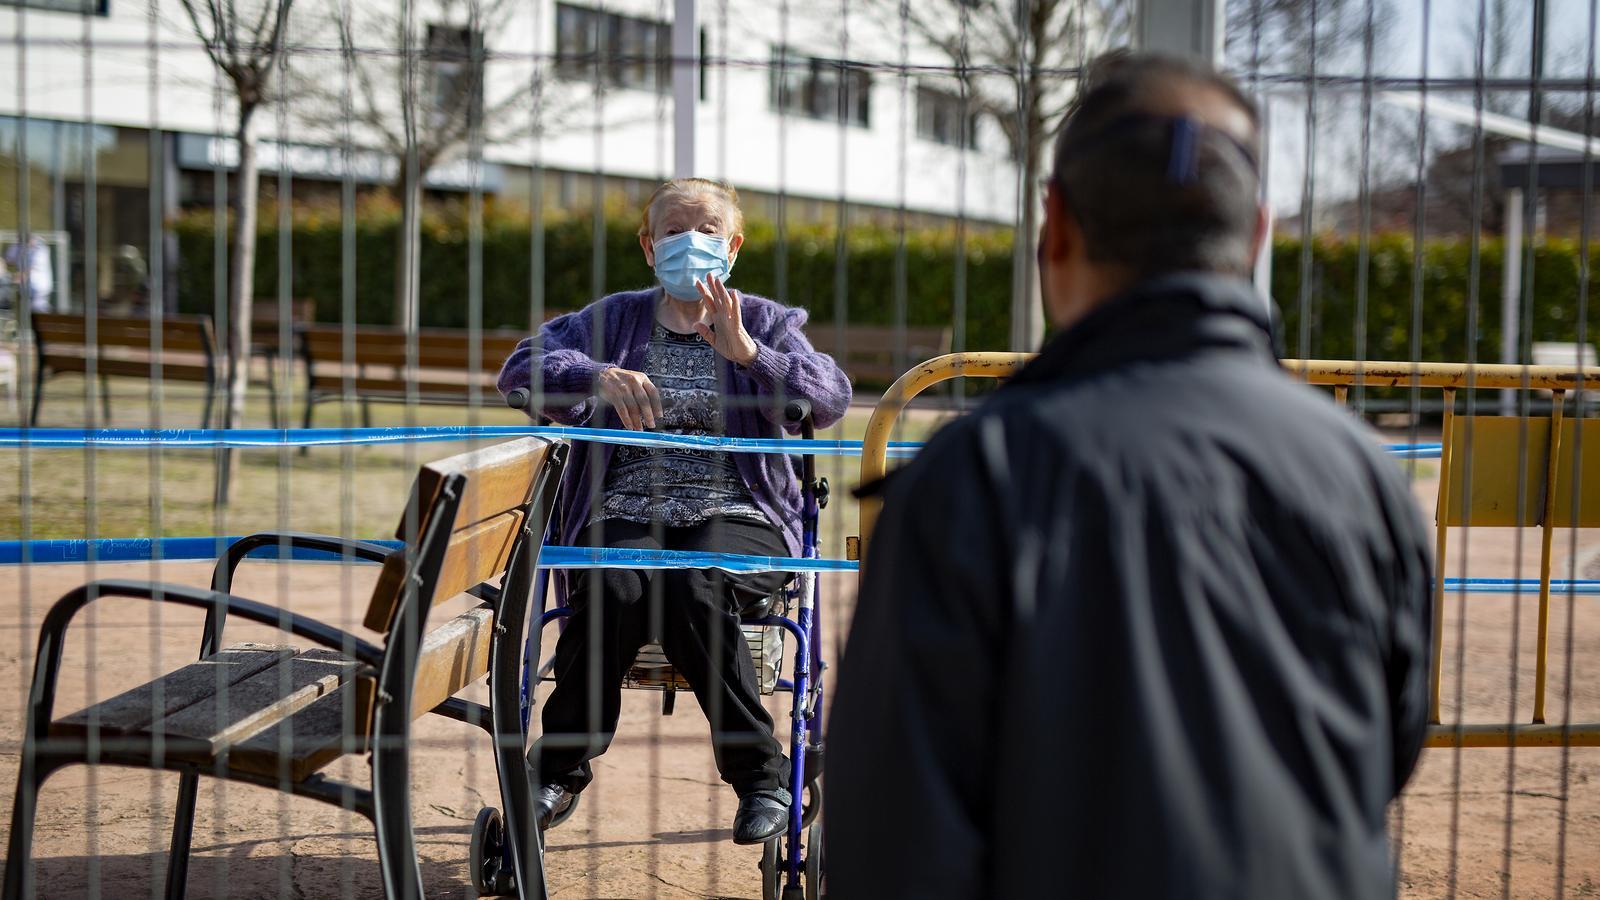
241, 288
406, 248
1027, 308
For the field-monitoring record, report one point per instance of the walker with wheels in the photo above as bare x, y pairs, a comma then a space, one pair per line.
792, 863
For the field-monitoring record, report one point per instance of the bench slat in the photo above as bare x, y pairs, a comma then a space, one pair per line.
397, 388
137, 368
879, 353
131, 711
477, 553
452, 656
178, 333
500, 477
210, 726
436, 348
313, 736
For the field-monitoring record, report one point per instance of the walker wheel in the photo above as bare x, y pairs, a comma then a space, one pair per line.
486, 859
812, 803
813, 870
772, 870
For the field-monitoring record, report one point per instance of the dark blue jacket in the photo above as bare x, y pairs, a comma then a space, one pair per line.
1152, 622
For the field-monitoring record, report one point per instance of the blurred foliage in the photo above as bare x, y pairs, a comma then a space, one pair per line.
880, 274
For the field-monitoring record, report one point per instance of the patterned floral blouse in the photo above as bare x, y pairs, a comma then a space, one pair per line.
678, 487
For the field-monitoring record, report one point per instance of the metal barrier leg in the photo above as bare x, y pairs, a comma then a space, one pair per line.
1436, 676
1550, 481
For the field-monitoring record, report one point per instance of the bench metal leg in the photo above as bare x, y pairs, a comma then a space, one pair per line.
105, 398
397, 845
38, 396
305, 422
19, 849
182, 835
508, 661
211, 394
272, 393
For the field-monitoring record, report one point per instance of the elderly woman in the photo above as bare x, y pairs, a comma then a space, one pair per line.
687, 357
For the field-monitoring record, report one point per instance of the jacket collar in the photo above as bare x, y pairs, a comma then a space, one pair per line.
1162, 318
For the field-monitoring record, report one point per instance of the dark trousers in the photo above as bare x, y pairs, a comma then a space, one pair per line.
694, 615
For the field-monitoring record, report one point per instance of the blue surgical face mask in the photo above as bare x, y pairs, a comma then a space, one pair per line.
691, 256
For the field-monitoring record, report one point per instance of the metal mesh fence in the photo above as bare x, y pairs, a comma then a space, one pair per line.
264, 262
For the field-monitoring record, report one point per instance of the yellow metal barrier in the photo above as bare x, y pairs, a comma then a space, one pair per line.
875, 445
1499, 448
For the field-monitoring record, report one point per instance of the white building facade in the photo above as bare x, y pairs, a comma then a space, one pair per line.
113, 118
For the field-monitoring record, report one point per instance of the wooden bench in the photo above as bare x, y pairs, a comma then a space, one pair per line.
124, 346
267, 344
878, 354
274, 715
374, 368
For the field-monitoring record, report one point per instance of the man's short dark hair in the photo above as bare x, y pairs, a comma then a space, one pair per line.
1153, 192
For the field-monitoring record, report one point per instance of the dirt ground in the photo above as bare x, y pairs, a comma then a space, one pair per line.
655, 824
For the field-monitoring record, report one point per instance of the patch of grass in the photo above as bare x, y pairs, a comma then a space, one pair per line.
349, 491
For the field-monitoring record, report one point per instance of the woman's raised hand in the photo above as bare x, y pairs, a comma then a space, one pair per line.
632, 395
726, 333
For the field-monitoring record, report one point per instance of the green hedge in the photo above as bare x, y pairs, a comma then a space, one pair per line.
808, 267
1327, 329
1327, 312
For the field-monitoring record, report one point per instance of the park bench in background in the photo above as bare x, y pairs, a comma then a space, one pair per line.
374, 368
274, 716
266, 340
878, 354
126, 346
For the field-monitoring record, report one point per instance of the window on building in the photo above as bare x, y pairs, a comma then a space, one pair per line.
455, 72
625, 51
705, 65
940, 117
833, 89
73, 7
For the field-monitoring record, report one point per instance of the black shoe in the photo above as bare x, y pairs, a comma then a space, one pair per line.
551, 801
762, 816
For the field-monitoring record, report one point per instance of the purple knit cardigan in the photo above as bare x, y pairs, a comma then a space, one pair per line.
569, 351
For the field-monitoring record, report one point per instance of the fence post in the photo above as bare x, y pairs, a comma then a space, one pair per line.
1510, 293
685, 71
1182, 27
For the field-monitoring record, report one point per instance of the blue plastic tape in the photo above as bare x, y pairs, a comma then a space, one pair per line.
44, 552
559, 557
257, 438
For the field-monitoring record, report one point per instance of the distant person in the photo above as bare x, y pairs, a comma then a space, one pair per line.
29, 267
1154, 620
130, 280
688, 356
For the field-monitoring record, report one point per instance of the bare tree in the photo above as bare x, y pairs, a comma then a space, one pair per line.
1288, 37
245, 40
1014, 62
427, 103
